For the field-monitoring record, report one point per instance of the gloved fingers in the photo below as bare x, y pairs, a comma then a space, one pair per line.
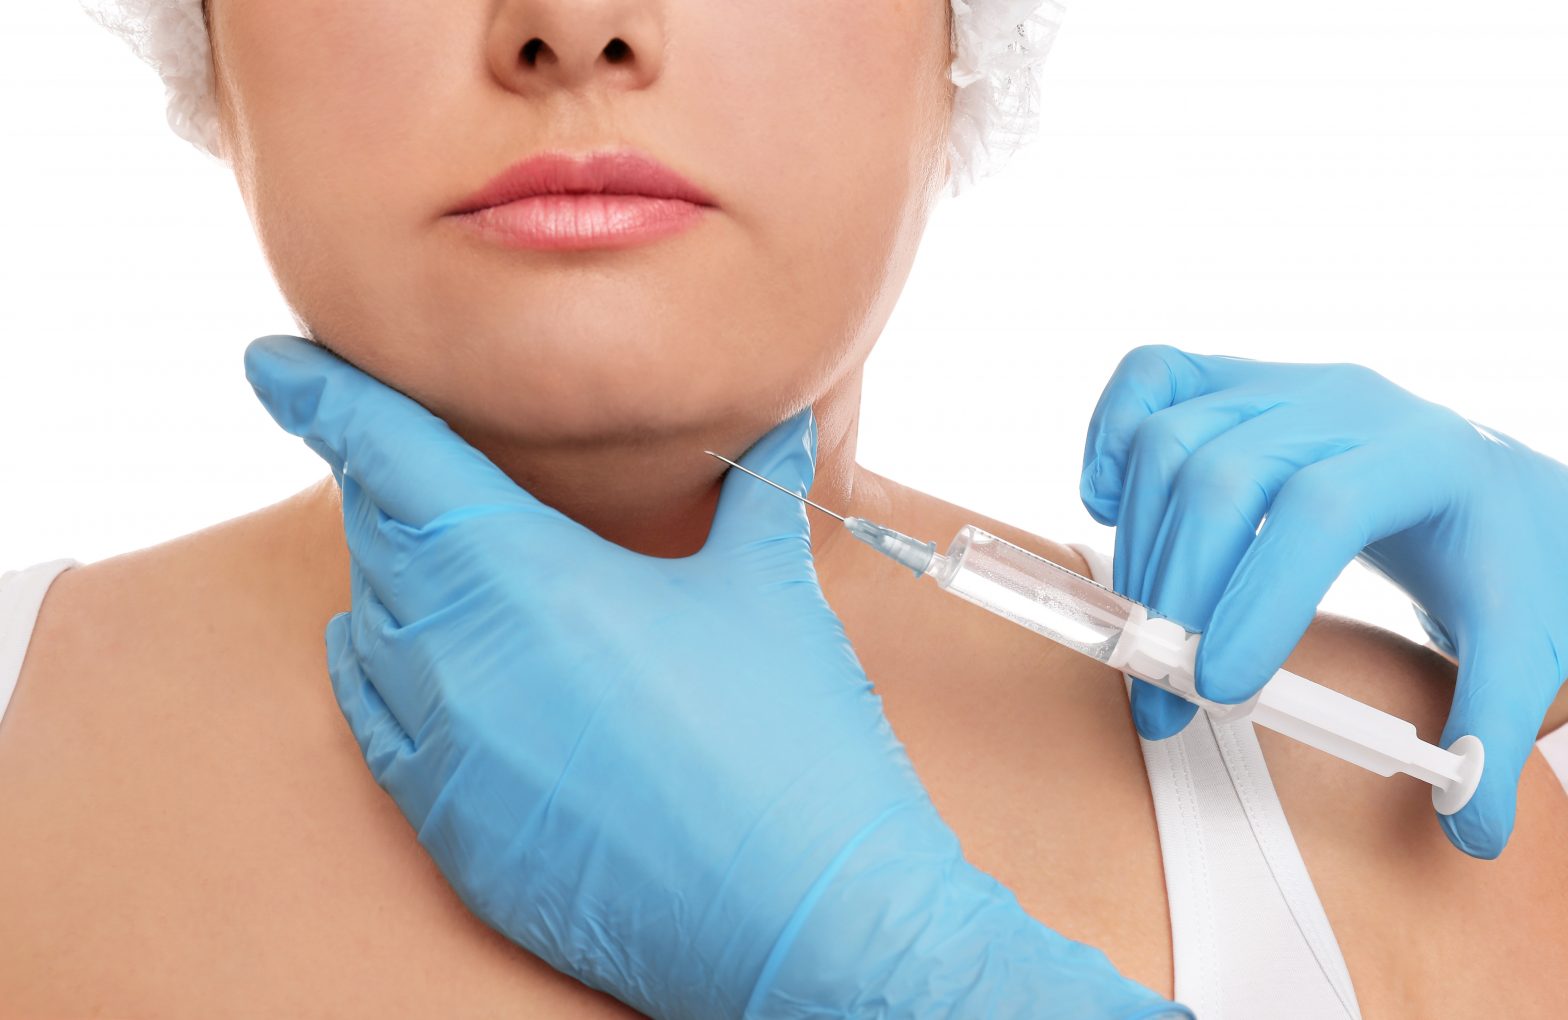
380, 549
1317, 524
398, 675
1218, 500
413, 770
1176, 458
381, 739
419, 572
1323, 517
1159, 714
1506, 684
1148, 379
1168, 489
1221, 493
752, 512
413, 464
385, 554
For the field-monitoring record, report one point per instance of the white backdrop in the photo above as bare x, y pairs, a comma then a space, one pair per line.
1380, 181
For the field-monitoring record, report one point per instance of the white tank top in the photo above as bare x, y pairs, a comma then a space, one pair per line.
1249, 936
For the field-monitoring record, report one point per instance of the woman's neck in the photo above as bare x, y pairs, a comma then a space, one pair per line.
660, 498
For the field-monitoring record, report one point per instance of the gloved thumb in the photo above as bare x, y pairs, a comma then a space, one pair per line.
1498, 700
293, 378
751, 511
1158, 714
410, 463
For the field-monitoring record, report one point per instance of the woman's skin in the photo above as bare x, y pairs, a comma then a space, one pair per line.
189, 827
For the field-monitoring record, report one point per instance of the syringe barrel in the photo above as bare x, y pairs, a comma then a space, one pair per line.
1032, 592
1062, 605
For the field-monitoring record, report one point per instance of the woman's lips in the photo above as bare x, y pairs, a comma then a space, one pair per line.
557, 201
576, 221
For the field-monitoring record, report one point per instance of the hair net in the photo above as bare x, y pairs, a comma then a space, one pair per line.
997, 48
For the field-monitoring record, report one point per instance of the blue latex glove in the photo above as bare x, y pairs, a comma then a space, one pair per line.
669, 778
1186, 453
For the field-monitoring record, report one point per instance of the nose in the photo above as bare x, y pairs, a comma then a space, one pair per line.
537, 46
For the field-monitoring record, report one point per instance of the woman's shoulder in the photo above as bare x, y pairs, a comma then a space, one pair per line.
150, 623
235, 577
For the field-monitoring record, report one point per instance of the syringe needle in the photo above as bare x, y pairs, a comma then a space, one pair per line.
776, 485
916, 555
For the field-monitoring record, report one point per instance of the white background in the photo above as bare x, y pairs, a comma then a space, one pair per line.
1382, 181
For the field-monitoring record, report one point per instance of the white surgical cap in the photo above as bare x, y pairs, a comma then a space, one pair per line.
997, 49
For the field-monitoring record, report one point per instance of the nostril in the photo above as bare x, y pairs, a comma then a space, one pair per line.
617, 51
531, 51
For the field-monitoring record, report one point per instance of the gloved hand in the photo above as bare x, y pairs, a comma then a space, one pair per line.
1186, 453
669, 778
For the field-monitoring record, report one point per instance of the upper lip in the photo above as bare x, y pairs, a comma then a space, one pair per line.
612, 172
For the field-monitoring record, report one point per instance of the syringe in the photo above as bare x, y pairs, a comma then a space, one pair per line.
1087, 617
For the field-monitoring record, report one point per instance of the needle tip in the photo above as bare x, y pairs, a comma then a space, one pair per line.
776, 485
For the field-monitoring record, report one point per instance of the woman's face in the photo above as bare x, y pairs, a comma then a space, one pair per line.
817, 126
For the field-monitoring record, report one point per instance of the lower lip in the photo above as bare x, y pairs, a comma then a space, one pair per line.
572, 222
